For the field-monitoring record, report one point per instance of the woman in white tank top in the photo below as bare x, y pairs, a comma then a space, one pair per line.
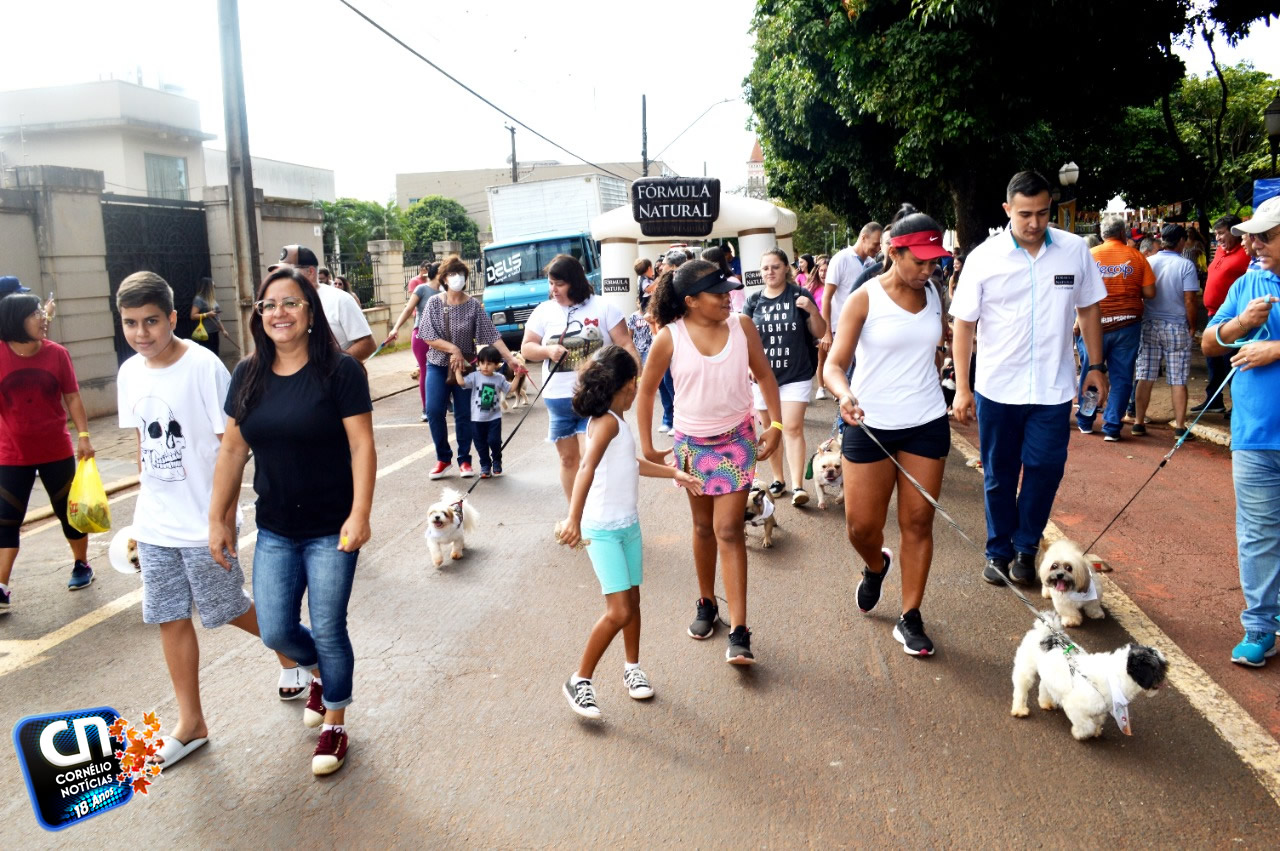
894, 324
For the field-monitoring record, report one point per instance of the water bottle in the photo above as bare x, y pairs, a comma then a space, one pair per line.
1089, 402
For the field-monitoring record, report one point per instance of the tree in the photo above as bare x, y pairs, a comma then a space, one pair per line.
813, 234
355, 223
940, 102
436, 218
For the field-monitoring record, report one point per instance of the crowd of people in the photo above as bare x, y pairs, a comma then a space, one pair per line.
872, 325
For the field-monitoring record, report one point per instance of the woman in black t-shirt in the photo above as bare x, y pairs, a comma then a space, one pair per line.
302, 406
790, 325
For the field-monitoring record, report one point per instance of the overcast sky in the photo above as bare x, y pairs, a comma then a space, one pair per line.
326, 89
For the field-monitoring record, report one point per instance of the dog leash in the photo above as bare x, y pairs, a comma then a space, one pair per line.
1261, 335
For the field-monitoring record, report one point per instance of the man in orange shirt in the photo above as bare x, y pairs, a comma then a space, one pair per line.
1129, 280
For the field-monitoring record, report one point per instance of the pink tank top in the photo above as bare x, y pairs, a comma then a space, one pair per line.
713, 394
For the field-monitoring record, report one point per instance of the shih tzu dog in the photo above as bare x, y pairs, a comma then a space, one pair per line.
448, 521
760, 513
828, 473
1067, 578
1102, 683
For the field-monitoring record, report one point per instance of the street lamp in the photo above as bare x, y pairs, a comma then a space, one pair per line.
1271, 118
1068, 174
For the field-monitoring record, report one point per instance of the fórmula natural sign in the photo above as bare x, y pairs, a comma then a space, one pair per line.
675, 206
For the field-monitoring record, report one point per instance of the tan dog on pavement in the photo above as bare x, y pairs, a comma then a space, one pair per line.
828, 472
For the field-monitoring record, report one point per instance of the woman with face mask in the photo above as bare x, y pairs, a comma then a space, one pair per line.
454, 325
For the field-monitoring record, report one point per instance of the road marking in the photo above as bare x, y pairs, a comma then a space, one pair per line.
18, 654
1256, 747
55, 523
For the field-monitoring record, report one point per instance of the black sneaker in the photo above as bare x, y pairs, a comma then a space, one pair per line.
1138, 430
1023, 570
704, 622
6, 597
81, 576
997, 571
776, 489
582, 698
739, 652
1218, 407
869, 587
910, 633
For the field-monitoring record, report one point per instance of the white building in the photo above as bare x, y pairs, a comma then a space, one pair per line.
145, 141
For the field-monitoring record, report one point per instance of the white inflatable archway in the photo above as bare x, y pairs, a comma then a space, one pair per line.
758, 226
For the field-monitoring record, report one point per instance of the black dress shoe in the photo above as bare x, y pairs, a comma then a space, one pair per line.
997, 571
1024, 568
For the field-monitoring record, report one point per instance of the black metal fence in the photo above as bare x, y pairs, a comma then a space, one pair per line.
361, 272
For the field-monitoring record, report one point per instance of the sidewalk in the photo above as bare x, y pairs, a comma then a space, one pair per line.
117, 447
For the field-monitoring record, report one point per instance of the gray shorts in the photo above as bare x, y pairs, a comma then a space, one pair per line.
175, 577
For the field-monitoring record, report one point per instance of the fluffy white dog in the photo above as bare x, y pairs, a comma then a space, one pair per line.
1067, 578
448, 521
1103, 682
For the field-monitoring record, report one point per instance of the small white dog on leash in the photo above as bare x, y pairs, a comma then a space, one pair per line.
448, 521
1102, 683
1067, 578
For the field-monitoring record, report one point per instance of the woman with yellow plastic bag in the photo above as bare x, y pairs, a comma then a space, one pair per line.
38, 388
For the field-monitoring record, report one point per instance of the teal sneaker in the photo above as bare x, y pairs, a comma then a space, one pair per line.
1255, 649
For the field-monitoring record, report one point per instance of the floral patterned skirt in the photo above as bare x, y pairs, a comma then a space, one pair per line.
725, 462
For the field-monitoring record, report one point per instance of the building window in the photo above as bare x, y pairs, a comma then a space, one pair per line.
413, 201
166, 177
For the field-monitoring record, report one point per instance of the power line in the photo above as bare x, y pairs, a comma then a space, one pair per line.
472, 91
691, 123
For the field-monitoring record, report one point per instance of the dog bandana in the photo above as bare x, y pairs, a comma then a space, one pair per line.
1119, 705
764, 515
1087, 595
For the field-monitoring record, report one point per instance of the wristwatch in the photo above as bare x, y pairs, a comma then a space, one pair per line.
1100, 367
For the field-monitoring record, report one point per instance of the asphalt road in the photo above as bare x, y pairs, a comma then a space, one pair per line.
460, 735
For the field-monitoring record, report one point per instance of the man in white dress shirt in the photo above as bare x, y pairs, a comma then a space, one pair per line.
346, 319
1028, 286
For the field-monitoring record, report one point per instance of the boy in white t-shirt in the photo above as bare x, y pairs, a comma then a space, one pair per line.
172, 393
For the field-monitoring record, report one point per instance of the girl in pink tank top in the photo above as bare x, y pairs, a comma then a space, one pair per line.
710, 351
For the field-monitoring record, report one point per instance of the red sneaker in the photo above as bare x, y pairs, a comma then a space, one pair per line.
330, 752
441, 467
464, 470
313, 715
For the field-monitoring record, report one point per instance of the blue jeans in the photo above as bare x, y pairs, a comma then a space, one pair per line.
488, 437
1256, 473
667, 390
1120, 354
438, 392
284, 569
1030, 440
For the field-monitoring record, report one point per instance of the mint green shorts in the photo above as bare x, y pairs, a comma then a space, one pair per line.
616, 556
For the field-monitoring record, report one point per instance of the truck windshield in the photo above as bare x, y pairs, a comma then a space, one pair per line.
518, 263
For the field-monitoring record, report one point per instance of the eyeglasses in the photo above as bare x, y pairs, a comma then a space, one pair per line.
290, 305
1266, 237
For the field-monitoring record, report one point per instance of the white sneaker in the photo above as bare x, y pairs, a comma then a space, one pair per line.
662, 429
799, 496
821, 394
637, 684
582, 698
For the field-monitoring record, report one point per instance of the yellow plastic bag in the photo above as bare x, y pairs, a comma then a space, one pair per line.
200, 335
87, 506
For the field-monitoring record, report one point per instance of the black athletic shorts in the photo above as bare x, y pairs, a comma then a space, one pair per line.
930, 440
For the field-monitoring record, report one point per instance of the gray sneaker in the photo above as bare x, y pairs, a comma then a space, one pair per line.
637, 684
582, 698
739, 652
704, 622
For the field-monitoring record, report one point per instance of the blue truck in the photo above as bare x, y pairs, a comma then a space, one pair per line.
515, 280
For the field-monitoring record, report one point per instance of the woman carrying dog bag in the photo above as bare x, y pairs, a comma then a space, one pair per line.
711, 351
894, 324
567, 330
302, 406
790, 327
454, 324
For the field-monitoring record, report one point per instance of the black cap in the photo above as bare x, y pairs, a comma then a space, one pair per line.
295, 255
713, 282
1173, 234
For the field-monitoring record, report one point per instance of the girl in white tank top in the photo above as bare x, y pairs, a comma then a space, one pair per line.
894, 410
603, 517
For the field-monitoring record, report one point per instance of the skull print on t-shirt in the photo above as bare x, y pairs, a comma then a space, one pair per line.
161, 439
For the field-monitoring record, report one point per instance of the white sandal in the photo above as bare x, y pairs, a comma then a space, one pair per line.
290, 678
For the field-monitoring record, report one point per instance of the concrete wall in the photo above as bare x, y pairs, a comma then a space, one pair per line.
102, 100
67, 216
98, 150
19, 254
137, 146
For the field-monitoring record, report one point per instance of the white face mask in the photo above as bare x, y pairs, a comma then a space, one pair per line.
456, 282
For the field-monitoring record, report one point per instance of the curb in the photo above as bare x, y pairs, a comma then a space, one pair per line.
1212, 434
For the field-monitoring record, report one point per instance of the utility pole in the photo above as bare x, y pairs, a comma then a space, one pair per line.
644, 137
244, 231
515, 175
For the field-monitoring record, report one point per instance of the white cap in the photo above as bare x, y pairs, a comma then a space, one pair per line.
1265, 217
